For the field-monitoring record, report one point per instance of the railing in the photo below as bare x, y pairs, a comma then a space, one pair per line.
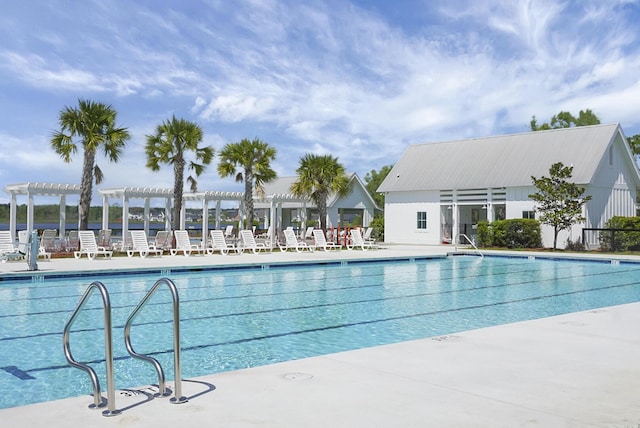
472, 244
178, 398
108, 345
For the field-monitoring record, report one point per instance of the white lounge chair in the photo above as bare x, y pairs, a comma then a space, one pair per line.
184, 245
219, 243
358, 241
72, 241
248, 242
140, 245
308, 235
23, 245
104, 239
89, 246
8, 249
228, 232
292, 243
163, 241
321, 241
48, 240
368, 236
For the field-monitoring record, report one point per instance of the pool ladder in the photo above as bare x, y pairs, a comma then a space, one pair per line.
98, 401
472, 244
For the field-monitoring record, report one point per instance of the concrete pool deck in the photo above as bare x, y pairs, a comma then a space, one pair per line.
575, 370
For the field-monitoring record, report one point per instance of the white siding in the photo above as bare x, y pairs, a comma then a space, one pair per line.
400, 213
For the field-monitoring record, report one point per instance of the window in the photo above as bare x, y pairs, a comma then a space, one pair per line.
422, 219
529, 214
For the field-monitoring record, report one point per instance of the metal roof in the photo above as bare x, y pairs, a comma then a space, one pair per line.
501, 161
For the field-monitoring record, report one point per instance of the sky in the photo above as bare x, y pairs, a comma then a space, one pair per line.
359, 80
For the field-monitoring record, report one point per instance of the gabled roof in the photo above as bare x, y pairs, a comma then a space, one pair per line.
501, 161
282, 186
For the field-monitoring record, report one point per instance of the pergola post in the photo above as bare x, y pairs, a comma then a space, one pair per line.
125, 220
29, 212
63, 216
105, 212
12, 216
146, 216
205, 222
218, 204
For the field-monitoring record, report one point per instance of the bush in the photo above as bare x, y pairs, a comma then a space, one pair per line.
378, 224
484, 234
619, 240
512, 233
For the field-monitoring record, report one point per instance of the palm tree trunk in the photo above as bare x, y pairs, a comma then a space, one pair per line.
248, 198
86, 187
178, 170
322, 211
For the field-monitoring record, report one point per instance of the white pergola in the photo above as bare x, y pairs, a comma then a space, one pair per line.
125, 194
38, 189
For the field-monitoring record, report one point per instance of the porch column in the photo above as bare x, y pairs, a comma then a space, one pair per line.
455, 227
272, 213
489, 205
183, 215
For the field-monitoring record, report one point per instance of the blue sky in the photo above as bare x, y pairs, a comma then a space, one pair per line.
360, 80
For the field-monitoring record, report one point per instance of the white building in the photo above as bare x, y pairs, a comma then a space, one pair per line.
357, 205
438, 191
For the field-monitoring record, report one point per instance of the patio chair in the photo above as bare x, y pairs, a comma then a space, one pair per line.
23, 245
48, 240
104, 239
219, 243
292, 243
8, 249
248, 242
72, 242
308, 235
90, 247
368, 236
163, 240
184, 245
140, 245
321, 241
358, 241
228, 232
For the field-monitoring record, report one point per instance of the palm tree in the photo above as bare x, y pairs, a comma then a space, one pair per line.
254, 157
93, 126
170, 145
318, 177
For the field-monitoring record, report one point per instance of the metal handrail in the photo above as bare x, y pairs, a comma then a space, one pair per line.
178, 398
108, 346
472, 244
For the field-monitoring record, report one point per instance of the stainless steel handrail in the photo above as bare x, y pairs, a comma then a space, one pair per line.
472, 244
108, 346
178, 398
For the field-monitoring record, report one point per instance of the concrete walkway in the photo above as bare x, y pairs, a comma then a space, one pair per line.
576, 370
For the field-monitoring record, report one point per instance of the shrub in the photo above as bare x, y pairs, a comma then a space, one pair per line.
484, 234
618, 240
514, 233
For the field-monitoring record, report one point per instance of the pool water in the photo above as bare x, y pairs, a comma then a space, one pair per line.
238, 318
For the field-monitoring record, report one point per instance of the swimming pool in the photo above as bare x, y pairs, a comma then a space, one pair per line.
238, 318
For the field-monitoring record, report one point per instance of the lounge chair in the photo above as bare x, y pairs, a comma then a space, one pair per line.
23, 245
292, 243
248, 242
308, 235
321, 241
140, 245
89, 246
48, 240
8, 249
219, 243
72, 241
228, 232
368, 236
184, 245
358, 241
104, 239
163, 241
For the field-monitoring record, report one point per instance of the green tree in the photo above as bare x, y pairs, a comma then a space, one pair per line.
373, 179
254, 158
92, 126
559, 201
564, 119
171, 144
318, 177
634, 144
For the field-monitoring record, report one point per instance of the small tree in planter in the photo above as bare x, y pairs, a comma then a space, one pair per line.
559, 201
